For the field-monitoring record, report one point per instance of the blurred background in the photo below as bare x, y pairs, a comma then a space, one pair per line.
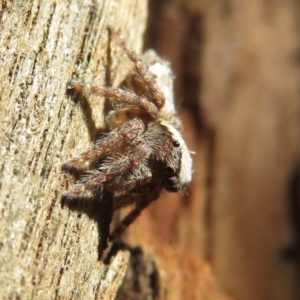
236, 68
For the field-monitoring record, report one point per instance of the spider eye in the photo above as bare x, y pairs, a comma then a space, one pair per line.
169, 171
176, 144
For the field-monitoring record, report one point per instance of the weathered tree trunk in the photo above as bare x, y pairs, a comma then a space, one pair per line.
48, 251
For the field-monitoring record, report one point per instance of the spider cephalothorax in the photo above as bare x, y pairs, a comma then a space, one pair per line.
144, 151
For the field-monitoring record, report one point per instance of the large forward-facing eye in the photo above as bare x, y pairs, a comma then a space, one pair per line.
176, 144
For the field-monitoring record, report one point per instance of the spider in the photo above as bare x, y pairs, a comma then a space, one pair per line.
143, 151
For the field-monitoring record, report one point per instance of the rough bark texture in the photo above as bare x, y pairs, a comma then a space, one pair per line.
47, 250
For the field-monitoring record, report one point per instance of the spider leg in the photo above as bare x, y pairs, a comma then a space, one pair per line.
108, 171
119, 95
138, 178
140, 206
116, 138
142, 68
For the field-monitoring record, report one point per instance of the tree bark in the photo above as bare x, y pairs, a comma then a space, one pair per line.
47, 250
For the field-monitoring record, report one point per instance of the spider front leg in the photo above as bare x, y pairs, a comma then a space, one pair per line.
118, 95
113, 140
111, 168
125, 184
142, 68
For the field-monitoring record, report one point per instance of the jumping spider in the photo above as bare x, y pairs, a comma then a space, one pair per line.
143, 152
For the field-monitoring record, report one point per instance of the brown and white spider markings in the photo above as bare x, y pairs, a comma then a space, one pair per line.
143, 152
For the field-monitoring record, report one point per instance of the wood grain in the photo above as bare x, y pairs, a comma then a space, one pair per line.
47, 250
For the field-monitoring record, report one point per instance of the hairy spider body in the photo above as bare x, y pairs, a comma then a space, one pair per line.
144, 151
